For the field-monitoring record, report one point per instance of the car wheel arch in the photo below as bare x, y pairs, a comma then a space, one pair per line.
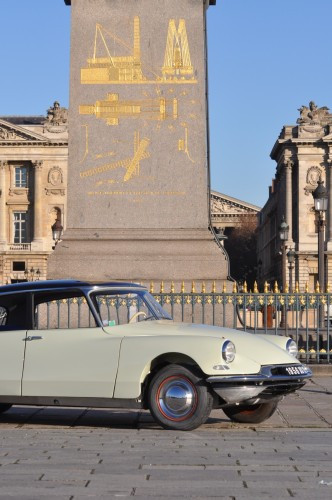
163, 360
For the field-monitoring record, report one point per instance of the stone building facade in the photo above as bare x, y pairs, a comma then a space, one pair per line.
33, 180
228, 213
303, 154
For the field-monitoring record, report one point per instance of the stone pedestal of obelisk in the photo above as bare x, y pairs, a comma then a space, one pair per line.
138, 198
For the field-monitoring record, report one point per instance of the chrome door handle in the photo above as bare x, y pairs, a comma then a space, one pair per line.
34, 337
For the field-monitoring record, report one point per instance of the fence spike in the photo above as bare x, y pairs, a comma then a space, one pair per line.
172, 287
214, 287
328, 288
182, 287
266, 287
245, 287
317, 287
255, 287
203, 288
297, 289
286, 288
275, 288
306, 288
151, 287
162, 290
193, 288
234, 287
224, 288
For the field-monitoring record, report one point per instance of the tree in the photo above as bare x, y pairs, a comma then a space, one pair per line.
241, 244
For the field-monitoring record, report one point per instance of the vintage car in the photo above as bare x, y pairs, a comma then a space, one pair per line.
111, 345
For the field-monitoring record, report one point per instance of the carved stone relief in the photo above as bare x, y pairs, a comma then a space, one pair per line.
314, 174
55, 176
222, 207
6, 134
313, 121
57, 119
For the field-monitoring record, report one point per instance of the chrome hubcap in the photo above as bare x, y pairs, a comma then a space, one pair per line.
177, 398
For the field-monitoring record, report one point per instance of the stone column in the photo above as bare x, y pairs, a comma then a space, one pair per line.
38, 208
288, 200
329, 208
3, 218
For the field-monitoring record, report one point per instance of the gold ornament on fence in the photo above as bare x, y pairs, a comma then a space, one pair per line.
214, 287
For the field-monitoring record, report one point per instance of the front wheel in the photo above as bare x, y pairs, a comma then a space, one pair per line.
4, 407
251, 414
178, 399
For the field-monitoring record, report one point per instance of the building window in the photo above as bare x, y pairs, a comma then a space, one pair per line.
21, 177
20, 227
19, 265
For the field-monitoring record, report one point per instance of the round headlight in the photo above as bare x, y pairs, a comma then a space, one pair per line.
228, 351
291, 348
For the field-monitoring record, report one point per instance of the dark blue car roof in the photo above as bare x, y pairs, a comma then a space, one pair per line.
56, 284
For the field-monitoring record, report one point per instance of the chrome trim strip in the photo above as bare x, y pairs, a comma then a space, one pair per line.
263, 376
72, 401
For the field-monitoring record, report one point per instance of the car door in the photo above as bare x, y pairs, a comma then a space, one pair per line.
12, 344
67, 354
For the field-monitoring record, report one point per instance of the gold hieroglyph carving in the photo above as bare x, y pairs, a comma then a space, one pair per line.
127, 69
132, 165
183, 144
112, 109
177, 62
114, 69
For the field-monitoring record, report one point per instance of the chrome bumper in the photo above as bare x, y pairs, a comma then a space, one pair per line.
272, 382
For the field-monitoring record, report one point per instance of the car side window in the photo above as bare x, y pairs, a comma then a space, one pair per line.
3, 316
120, 309
63, 311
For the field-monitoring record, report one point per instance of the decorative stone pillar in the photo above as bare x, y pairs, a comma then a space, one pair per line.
288, 199
3, 217
38, 208
329, 208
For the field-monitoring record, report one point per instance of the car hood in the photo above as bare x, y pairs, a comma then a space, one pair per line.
266, 349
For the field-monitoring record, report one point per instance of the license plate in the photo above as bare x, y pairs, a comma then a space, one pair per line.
297, 370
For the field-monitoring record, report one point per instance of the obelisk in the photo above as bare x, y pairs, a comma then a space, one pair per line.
138, 174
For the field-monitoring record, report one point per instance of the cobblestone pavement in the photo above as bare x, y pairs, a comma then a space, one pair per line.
86, 453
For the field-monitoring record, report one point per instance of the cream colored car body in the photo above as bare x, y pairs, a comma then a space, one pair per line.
112, 366
145, 341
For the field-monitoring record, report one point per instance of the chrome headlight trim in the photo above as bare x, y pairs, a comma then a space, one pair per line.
291, 348
228, 351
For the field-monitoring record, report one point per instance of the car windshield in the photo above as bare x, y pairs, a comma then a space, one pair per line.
123, 307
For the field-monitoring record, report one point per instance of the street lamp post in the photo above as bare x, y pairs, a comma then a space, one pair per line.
320, 197
283, 236
57, 229
291, 254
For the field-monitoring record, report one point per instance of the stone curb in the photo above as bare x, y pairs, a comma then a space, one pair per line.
321, 370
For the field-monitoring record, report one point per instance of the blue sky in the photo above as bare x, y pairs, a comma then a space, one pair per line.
266, 59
